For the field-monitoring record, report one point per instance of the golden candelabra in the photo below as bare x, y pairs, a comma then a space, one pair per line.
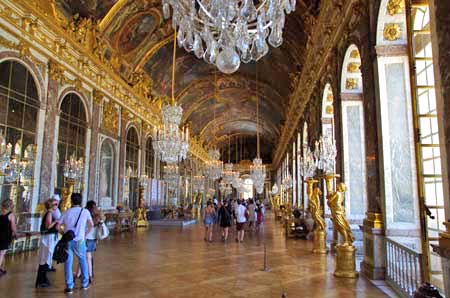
66, 194
345, 251
319, 235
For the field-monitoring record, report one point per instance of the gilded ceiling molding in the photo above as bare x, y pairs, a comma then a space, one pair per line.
333, 19
110, 16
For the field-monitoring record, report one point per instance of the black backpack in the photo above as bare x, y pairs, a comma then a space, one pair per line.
60, 254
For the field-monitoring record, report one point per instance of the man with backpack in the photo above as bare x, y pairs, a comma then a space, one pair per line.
77, 222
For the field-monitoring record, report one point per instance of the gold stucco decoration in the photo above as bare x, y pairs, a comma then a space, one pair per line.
392, 31
351, 84
329, 110
110, 116
353, 67
355, 54
395, 7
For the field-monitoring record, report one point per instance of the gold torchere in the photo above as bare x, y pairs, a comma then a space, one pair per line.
319, 235
345, 251
141, 212
66, 194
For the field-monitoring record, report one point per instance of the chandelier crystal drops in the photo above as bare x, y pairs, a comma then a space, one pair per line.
325, 154
258, 174
198, 183
73, 168
307, 164
228, 173
214, 166
226, 32
171, 175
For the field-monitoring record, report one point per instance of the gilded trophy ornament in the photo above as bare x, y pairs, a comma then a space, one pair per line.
392, 31
395, 7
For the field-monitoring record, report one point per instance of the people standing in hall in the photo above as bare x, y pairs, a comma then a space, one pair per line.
209, 217
91, 238
259, 215
225, 218
47, 242
240, 220
251, 214
78, 220
7, 231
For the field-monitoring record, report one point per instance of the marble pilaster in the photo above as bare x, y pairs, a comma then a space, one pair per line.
123, 142
96, 109
49, 141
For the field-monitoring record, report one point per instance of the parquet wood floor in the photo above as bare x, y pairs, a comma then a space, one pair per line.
174, 262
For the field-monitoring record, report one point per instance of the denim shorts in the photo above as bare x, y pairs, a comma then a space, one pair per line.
91, 245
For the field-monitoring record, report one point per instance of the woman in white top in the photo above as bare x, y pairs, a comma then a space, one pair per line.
241, 218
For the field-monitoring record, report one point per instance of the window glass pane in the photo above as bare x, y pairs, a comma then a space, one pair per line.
15, 113
18, 78
30, 118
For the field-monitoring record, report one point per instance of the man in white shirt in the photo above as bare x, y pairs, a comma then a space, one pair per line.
240, 221
78, 220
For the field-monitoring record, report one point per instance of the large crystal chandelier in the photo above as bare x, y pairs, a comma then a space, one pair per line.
325, 154
228, 173
231, 30
258, 170
13, 166
214, 166
168, 142
198, 183
73, 168
171, 176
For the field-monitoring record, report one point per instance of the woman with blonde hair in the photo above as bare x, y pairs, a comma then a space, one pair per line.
7, 231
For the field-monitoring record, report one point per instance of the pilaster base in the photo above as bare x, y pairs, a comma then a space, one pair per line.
319, 240
374, 264
345, 262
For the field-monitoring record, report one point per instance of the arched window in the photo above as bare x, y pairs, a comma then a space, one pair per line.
132, 151
149, 158
131, 168
304, 146
19, 106
72, 135
106, 175
353, 135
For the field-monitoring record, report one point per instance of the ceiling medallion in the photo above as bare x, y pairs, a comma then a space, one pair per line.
232, 30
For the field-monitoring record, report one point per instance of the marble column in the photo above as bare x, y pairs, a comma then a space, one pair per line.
49, 141
96, 112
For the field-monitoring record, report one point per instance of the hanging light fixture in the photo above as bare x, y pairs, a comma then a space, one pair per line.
168, 142
228, 172
325, 154
232, 30
214, 166
258, 170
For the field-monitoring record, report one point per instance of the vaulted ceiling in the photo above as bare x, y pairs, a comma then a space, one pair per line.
136, 30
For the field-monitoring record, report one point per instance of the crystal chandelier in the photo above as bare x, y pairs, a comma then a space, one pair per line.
236, 180
14, 167
171, 176
214, 166
168, 142
232, 30
307, 164
228, 173
258, 170
73, 168
198, 184
325, 154
275, 189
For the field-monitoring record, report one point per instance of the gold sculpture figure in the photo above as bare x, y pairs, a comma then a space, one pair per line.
335, 202
314, 208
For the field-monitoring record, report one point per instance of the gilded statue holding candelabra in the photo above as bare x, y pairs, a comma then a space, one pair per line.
314, 194
336, 204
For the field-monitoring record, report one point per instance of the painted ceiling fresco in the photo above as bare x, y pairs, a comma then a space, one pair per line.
136, 30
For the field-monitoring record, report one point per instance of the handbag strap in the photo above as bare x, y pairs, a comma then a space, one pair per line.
78, 217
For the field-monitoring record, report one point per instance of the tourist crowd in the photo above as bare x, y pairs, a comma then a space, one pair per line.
244, 214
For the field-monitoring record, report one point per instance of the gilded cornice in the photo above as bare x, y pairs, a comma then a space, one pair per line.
39, 26
333, 20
